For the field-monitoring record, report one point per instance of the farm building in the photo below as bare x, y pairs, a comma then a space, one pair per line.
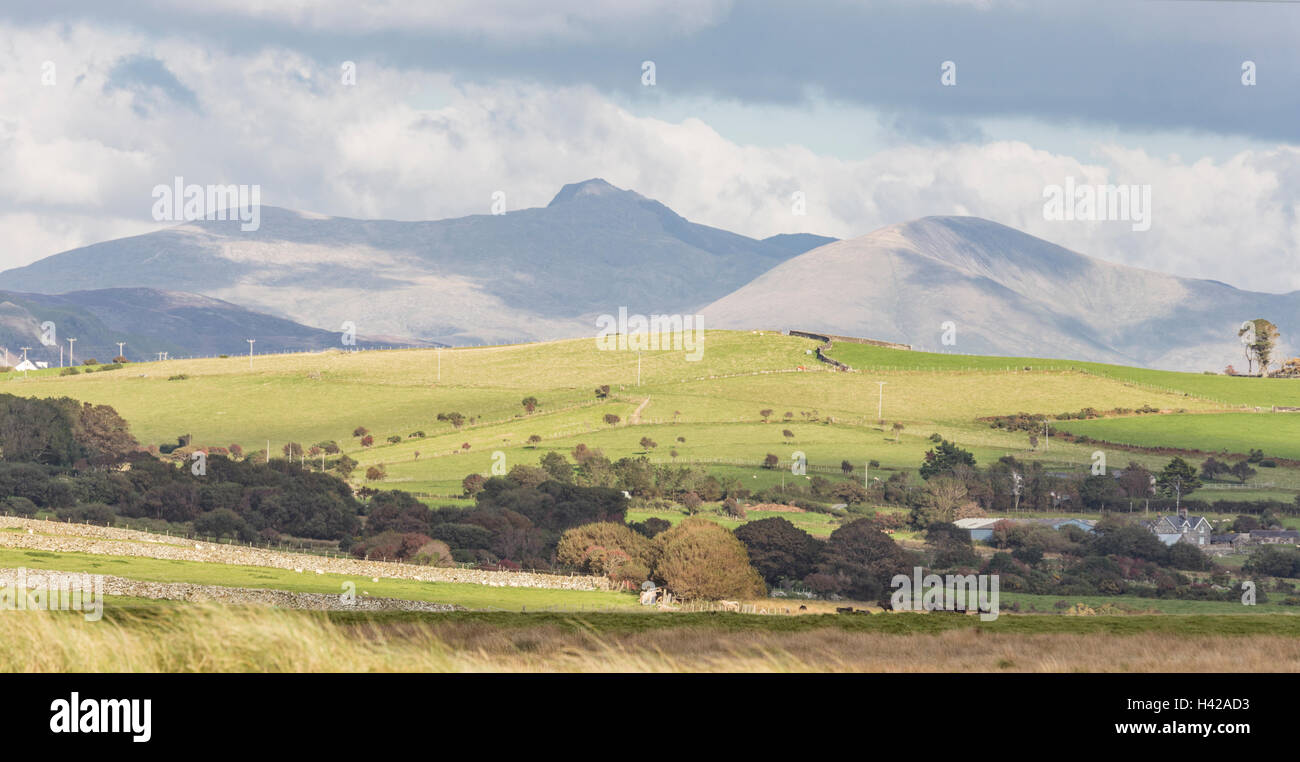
1275, 536
982, 529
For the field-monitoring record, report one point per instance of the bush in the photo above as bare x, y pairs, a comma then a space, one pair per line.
604, 548
18, 505
778, 549
699, 559
224, 522
87, 513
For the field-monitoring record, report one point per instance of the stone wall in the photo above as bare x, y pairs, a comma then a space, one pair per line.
83, 538
184, 591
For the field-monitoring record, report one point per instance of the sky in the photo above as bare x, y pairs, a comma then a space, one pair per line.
843, 103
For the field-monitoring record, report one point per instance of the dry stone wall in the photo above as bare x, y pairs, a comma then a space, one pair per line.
82, 538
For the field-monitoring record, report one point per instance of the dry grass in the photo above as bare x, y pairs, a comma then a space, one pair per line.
220, 639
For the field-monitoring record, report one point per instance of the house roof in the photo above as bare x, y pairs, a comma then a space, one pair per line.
1284, 534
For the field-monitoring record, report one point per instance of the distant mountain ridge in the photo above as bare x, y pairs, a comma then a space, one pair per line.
150, 321
1003, 292
530, 274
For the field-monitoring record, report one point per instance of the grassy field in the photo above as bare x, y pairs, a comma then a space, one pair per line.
707, 411
1223, 389
229, 575
212, 638
1277, 434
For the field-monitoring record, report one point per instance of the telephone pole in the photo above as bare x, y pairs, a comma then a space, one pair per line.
120, 344
71, 361
250, 364
880, 403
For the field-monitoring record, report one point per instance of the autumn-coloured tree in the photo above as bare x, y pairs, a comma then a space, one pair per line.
699, 559
530, 404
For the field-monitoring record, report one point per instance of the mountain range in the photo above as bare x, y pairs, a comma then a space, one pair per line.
995, 290
149, 321
531, 274
949, 284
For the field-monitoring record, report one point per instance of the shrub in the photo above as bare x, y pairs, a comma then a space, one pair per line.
223, 522
19, 505
604, 548
778, 549
699, 559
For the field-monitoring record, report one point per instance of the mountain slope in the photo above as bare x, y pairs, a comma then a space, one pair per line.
531, 274
148, 321
1007, 293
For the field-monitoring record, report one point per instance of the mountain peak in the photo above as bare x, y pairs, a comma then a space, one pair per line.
587, 188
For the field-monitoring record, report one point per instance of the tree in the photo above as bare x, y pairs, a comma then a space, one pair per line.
612, 419
530, 404
944, 459
376, 473
647, 444
607, 548
345, 466
859, 561
557, 467
473, 484
851, 493
788, 434
367, 440
770, 461
360, 431
846, 468
602, 391
778, 549
1135, 481
1259, 338
1177, 479
765, 414
534, 440
898, 428
699, 559
1242, 471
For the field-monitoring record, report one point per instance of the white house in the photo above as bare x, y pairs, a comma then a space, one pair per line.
29, 365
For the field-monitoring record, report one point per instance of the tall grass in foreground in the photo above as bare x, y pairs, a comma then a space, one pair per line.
212, 638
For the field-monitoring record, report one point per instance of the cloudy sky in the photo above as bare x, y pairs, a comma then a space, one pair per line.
751, 103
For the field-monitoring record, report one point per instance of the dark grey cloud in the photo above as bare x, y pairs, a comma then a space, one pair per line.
1134, 65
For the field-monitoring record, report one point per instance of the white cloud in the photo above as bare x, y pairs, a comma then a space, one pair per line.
81, 160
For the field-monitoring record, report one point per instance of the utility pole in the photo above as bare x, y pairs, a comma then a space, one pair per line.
880, 403
439, 364
25, 360
160, 356
120, 344
250, 367
71, 361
